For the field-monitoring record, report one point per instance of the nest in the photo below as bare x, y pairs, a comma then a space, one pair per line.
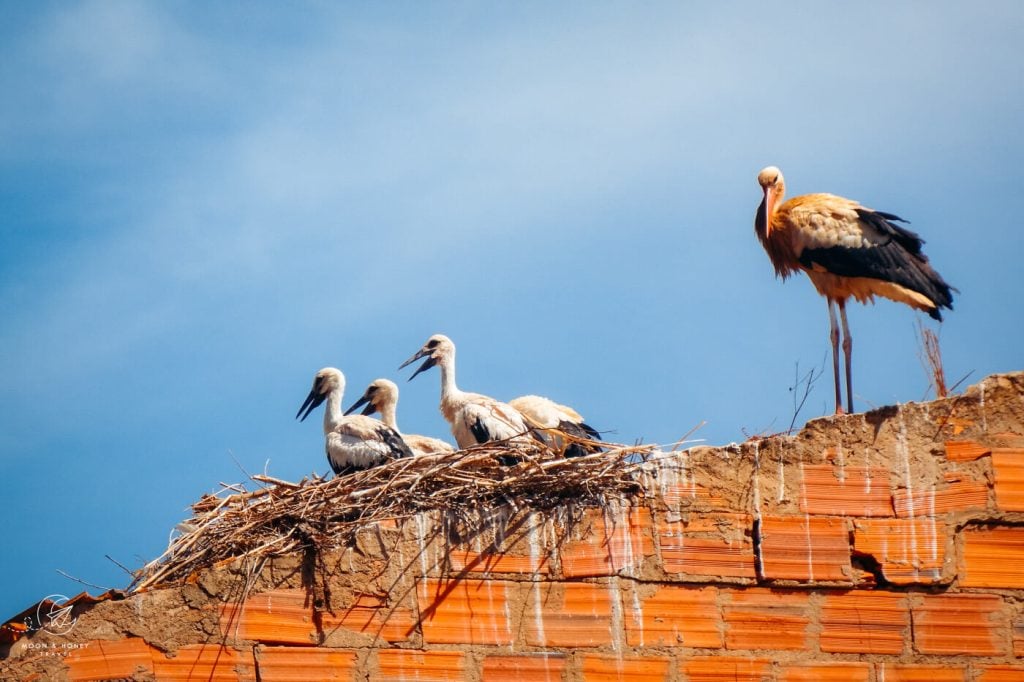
279, 517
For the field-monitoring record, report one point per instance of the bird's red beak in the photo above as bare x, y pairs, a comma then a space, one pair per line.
769, 206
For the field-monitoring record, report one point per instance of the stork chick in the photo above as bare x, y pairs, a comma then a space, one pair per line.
382, 396
352, 443
556, 422
474, 418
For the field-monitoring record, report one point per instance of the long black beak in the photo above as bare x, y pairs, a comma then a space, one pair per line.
312, 401
430, 362
370, 409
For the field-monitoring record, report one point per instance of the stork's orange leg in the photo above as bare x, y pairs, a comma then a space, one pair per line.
834, 336
848, 352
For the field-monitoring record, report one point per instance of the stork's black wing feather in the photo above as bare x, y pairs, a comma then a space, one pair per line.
898, 260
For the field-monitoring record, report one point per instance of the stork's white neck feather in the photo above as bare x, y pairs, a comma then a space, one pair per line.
388, 414
449, 391
332, 410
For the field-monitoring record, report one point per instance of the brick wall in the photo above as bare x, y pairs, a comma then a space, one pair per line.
880, 547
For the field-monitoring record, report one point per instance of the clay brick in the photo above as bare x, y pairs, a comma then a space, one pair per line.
766, 619
207, 662
539, 667
1008, 469
300, 664
580, 617
104, 660
992, 557
845, 491
1017, 632
826, 672
282, 616
718, 545
371, 615
725, 669
910, 551
399, 665
614, 668
615, 544
464, 611
805, 548
891, 672
676, 616
498, 562
1000, 673
959, 624
964, 450
864, 623
954, 496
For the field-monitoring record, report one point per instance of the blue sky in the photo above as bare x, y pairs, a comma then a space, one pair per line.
204, 204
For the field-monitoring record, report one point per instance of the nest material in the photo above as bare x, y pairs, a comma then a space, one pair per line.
281, 517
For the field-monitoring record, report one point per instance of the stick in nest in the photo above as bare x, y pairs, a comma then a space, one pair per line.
260, 523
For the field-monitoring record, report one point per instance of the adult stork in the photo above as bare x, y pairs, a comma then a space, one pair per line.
352, 443
847, 250
382, 396
557, 421
474, 418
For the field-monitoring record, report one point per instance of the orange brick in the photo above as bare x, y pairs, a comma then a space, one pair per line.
859, 622
614, 668
1008, 468
612, 545
805, 548
371, 615
399, 665
676, 616
464, 611
580, 617
299, 664
845, 491
826, 672
992, 557
104, 660
766, 619
964, 450
718, 545
920, 673
1017, 632
725, 669
498, 562
280, 616
539, 667
207, 662
950, 497
1001, 673
959, 624
911, 551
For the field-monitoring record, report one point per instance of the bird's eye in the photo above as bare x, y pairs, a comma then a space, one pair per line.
432, 343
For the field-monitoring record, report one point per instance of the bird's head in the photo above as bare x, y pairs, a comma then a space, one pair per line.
378, 394
326, 380
774, 188
438, 348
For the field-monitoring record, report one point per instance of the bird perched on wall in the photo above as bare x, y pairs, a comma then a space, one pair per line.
847, 250
352, 443
382, 396
555, 422
474, 418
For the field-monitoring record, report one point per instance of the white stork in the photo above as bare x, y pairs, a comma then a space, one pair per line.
382, 396
352, 443
474, 418
556, 421
847, 250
